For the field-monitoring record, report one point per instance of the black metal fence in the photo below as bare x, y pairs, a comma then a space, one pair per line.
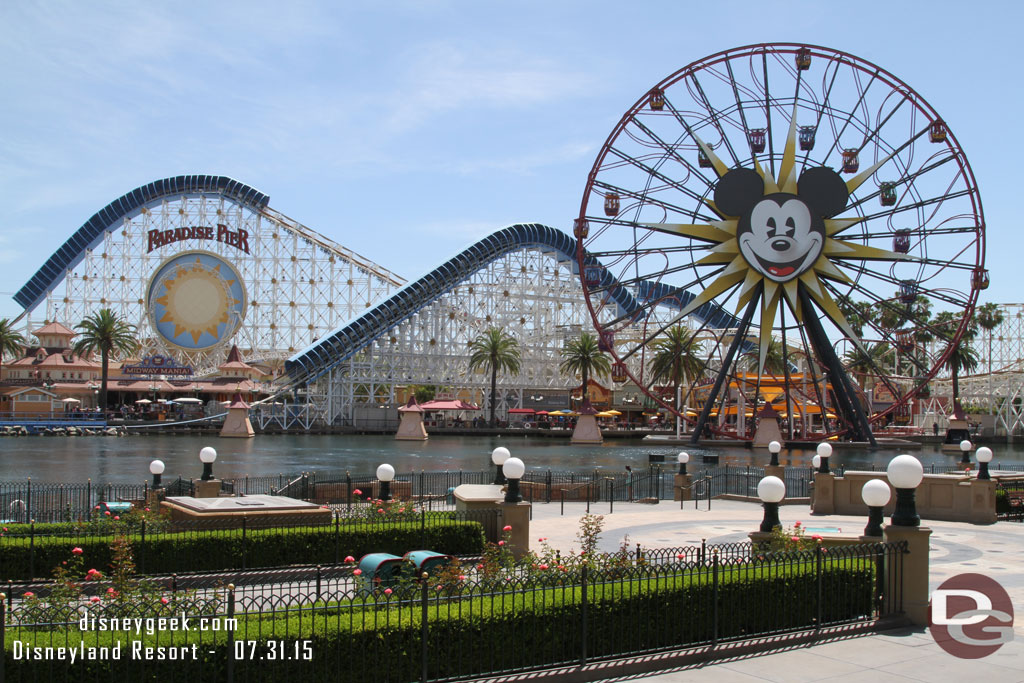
452, 625
52, 502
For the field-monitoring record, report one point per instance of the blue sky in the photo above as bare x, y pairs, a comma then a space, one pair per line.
407, 129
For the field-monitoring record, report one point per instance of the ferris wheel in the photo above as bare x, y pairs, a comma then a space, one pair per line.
807, 220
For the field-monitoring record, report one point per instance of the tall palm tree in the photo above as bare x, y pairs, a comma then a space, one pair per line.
583, 356
494, 350
963, 357
675, 360
11, 341
108, 334
989, 316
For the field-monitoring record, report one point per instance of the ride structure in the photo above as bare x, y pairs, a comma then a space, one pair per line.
795, 185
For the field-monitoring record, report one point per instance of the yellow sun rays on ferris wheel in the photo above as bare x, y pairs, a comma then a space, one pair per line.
743, 272
197, 299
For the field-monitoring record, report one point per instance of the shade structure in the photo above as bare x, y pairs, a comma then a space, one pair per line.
521, 411
448, 405
188, 400
144, 401
607, 413
613, 412
70, 400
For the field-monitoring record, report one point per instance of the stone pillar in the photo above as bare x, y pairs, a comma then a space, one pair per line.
683, 487
154, 497
776, 471
587, 431
517, 516
410, 427
983, 501
914, 588
207, 489
237, 423
823, 502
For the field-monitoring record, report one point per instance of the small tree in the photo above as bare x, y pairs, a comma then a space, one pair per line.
583, 356
11, 341
494, 350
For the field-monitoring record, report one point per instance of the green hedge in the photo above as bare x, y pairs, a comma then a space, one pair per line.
480, 635
21, 557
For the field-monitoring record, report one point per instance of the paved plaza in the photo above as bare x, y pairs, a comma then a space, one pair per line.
906, 654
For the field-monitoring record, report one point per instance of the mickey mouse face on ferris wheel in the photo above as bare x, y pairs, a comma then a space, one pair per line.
781, 235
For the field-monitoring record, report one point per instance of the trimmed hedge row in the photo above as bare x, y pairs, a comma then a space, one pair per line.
480, 635
21, 558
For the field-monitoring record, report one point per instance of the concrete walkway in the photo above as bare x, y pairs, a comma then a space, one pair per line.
901, 655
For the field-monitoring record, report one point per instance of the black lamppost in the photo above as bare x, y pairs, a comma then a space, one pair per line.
876, 494
514, 470
905, 474
498, 456
771, 491
984, 455
824, 452
156, 468
683, 458
774, 447
385, 473
965, 452
207, 456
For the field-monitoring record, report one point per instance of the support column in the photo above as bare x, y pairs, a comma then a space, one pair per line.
517, 516
823, 502
913, 590
683, 487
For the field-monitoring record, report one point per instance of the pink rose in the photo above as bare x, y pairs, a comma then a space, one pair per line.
388, 591
462, 577
795, 539
501, 542
107, 513
679, 556
816, 537
96, 508
147, 509
357, 492
479, 566
164, 601
76, 551
543, 566
29, 594
357, 572
349, 558
380, 511
506, 528
796, 525
111, 591
94, 599
117, 518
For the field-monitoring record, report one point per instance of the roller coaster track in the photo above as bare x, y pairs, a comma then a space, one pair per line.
346, 341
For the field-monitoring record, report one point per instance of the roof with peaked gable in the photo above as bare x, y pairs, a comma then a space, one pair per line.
54, 328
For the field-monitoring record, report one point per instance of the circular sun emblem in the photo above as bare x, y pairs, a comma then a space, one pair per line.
196, 300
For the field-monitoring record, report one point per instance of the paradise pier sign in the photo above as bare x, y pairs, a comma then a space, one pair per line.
234, 238
158, 365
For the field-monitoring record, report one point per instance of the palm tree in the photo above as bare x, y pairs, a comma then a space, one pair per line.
867, 362
989, 316
11, 341
106, 333
583, 356
964, 358
675, 360
494, 350
774, 363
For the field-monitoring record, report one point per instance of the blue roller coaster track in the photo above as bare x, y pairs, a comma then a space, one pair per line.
129, 205
347, 340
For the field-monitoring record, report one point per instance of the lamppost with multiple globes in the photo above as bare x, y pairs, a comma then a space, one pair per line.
984, 455
875, 494
514, 469
774, 447
771, 491
207, 456
824, 451
498, 456
385, 473
905, 474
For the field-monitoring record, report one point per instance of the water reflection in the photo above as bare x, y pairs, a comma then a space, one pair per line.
127, 459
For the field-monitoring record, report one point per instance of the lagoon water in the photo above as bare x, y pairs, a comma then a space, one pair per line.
126, 459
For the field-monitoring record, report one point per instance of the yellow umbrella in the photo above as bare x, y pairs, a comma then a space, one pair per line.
607, 413
613, 413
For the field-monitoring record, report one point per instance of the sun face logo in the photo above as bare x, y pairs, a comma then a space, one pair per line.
779, 238
196, 300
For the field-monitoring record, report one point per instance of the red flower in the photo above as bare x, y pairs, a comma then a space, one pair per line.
501, 542
506, 528
388, 591
679, 556
111, 591
107, 513
29, 594
76, 551
147, 509
543, 566
96, 508
357, 572
357, 492
164, 601
349, 558
795, 539
462, 577
94, 599
480, 566
117, 518
796, 525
